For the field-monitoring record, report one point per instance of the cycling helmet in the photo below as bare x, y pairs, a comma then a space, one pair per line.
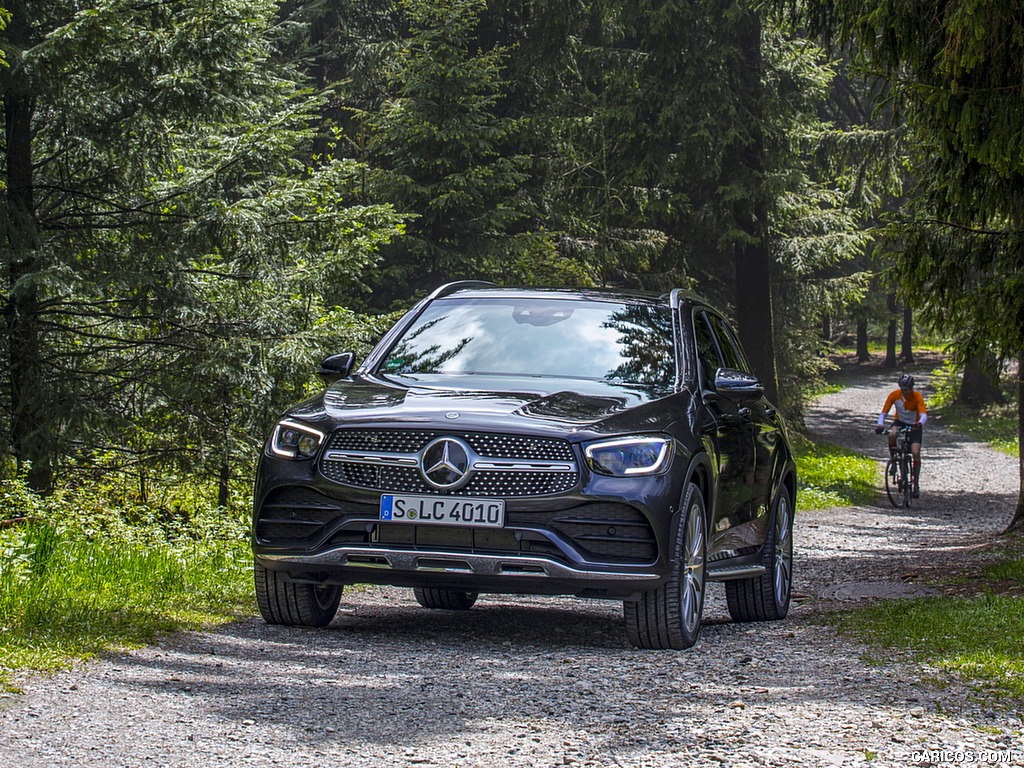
906, 381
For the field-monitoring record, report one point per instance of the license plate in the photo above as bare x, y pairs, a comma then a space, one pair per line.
442, 510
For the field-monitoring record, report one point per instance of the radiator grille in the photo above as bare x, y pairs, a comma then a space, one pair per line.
495, 445
504, 483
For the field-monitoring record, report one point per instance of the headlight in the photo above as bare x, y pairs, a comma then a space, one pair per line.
292, 440
629, 456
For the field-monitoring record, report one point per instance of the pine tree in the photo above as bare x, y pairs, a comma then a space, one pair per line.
446, 155
166, 226
956, 69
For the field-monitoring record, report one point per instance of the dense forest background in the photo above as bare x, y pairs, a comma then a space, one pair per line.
202, 198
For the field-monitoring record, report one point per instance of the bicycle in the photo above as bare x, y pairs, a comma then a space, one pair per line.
899, 482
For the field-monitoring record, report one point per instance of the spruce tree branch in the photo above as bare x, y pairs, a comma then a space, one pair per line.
974, 230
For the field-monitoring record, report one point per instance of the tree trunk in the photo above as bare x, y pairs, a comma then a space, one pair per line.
754, 315
31, 425
863, 354
980, 385
826, 328
222, 484
1018, 515
890, 339
907, 345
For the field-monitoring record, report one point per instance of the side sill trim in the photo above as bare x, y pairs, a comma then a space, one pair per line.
741, 572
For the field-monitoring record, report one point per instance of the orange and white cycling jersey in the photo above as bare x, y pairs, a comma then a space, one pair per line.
909, 409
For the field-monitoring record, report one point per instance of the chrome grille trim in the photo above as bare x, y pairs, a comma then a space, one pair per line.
378, 459
499, 465
523, 466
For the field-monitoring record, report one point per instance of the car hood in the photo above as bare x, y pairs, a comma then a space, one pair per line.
510, 404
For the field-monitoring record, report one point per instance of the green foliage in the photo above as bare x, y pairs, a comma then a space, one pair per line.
994, 424
830, 476
955, 81
84, 574
218, 187
945, 384
954, 67
447, 155
5, 18
170, 300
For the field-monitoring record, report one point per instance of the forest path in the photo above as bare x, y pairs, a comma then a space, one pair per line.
968, 495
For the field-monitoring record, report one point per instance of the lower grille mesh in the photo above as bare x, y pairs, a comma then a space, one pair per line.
603, 532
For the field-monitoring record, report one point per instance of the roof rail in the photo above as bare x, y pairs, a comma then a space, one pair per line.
673, 297
675, 301
448, 288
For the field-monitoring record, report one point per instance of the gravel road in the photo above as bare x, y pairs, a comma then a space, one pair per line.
546, 682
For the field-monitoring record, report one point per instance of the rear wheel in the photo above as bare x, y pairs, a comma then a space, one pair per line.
670, 616
294, 603
908, 483
766, 597
445, 599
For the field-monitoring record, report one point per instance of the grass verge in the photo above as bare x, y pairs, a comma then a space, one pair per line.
77, 579
976, 638
830, 476
995, 425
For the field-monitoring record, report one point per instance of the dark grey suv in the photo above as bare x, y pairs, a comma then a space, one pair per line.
534, 441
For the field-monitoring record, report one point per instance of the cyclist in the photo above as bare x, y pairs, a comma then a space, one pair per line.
910, 411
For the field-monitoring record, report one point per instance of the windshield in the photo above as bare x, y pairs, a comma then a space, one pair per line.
563, 338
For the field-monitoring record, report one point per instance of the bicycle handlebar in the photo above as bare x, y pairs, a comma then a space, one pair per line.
893, 427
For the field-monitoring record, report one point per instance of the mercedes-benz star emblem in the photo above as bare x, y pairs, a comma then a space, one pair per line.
444, 463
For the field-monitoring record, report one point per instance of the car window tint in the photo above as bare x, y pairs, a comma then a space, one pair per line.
629, 343
708, 359
730, 353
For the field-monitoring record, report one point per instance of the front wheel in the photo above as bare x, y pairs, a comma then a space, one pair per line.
893, 483
294, 603
670, 616
766, 597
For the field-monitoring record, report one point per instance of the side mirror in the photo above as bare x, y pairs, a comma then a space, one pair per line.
733, 383
336, 367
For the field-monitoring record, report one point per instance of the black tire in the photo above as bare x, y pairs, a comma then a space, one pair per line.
670, 616
445, 599
766, 597
294, 604
892, 483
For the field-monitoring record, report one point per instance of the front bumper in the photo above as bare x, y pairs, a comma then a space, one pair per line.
475, 572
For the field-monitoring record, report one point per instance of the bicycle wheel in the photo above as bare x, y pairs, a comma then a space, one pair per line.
907, 483
892, 482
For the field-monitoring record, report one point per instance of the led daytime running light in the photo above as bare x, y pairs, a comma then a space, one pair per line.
285, 449
602, 457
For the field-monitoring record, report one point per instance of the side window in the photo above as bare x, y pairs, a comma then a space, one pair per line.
708, 359
727, 343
